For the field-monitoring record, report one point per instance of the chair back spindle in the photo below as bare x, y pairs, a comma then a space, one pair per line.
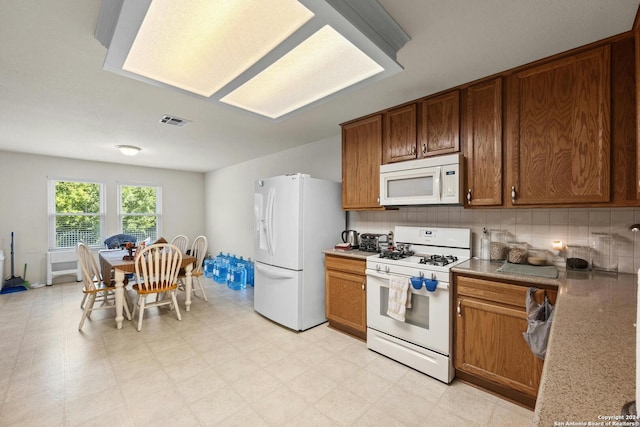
181, 241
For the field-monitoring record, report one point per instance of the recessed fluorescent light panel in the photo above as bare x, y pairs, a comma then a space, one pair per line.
321, 65
272, 58
202, 45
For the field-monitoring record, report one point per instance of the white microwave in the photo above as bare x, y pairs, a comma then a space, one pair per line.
430, 181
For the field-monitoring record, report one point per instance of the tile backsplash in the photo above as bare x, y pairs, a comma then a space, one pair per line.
537, 227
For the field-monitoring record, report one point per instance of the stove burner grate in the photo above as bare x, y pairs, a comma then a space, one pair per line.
440, 260
396, 254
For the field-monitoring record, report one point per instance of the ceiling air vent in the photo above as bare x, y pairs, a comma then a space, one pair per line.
174, 121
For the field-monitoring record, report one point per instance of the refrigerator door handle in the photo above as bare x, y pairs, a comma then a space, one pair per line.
274, 274
269, 220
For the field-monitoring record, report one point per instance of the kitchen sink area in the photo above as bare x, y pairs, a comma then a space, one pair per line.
589, 369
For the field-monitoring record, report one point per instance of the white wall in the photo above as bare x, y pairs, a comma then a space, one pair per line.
23, 202
229, 198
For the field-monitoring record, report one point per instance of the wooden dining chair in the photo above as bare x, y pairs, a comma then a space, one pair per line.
198, 250
95, 289
181, 241
157, 268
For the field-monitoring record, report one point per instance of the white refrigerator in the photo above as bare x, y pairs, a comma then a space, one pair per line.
296, 218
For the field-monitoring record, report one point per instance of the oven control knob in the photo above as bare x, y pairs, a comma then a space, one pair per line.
378, 268
387, 269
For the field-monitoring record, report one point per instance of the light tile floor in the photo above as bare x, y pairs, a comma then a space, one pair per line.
223, 364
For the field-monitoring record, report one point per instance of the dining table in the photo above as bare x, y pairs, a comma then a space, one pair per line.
122, 263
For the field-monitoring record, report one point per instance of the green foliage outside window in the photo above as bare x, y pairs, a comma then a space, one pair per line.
77, 210
138, 209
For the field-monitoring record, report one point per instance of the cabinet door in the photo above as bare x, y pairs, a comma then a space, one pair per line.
399, 142
361, 157
439, 124
482, 134
346, 300
624, 137
489, 345
558, 126
636, 31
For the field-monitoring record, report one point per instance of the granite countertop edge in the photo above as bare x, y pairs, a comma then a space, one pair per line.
589, 369
351, 253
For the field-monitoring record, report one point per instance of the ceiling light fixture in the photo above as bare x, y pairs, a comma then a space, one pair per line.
128, 150
270, 58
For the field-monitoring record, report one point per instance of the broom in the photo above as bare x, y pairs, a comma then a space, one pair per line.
13, 281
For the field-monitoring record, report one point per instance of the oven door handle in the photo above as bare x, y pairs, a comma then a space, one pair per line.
378, 274
385, 277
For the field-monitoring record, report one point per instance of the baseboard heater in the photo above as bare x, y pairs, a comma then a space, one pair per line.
62, 263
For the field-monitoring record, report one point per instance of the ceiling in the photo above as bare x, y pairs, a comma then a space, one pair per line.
56, 100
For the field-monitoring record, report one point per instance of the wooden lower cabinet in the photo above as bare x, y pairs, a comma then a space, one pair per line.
345, 294
489, 349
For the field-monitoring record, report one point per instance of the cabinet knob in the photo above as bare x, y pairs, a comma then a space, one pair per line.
459, 308
513, 194
363, 284
424, 148
413, 150
469, 196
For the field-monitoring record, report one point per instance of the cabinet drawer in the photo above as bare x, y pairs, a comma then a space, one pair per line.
350, 265
510, 294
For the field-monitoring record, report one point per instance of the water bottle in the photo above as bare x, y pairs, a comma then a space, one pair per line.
250, 272
214, 266
208, 268
232, 260
241, 273
220, 269
237, 277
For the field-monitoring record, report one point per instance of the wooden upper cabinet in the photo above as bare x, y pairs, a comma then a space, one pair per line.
361, 157
399, 140
636, 32
482, 136
624, 137
558, 131
439, 124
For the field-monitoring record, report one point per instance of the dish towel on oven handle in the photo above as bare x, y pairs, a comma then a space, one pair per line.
399, 298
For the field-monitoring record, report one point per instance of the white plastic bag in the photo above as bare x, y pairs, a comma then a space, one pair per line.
539, 318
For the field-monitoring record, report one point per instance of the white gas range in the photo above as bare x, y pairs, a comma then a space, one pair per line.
424, 340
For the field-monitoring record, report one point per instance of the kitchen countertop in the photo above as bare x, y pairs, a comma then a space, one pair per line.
589, 371
352, 253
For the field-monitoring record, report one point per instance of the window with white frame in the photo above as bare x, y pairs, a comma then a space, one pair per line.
140, 211
76, 212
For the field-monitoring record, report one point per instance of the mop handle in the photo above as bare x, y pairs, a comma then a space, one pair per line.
12, 271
